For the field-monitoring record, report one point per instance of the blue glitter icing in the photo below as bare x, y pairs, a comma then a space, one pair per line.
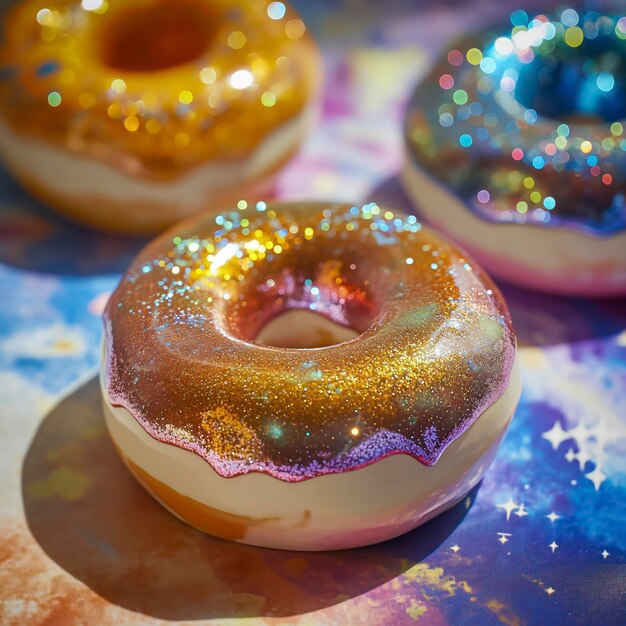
545, 141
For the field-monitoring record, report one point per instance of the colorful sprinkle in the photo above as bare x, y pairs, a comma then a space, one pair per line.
446, 81
460, 96
54, 99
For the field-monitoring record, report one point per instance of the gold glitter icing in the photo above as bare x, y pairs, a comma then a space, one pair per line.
435, 348
151, 86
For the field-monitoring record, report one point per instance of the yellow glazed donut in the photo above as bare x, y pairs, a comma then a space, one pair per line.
130, 115
307, 376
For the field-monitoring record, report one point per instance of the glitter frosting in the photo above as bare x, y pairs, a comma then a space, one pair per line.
151, 86
526, 124
435, 348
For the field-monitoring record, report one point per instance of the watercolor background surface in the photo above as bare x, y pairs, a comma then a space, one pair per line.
541, 541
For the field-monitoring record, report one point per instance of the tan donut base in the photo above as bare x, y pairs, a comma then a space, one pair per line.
130, 218
344, 510
150, 205
559, 260
200, 516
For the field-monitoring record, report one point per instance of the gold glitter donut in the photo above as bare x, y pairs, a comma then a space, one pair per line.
307, 376
128, 116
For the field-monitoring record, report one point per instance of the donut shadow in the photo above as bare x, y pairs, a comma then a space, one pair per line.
540, 319
93, 519
34, 238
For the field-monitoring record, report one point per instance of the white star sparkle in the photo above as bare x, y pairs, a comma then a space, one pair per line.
521, 511
503, 537
509, 507
556, 435
592, 437
597, 477
604, 553
582, 457
455, 548
554, 545
553, 517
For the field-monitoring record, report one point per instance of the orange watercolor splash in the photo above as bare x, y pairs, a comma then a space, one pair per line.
35, 591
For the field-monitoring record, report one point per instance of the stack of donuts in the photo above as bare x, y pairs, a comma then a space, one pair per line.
313, 375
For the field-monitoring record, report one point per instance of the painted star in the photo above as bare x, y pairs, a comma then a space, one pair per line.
503, 537
554, 545
455, 548
509, 507
604, 553
553, 517
582, 457
556, 435
550, 591
597, 477
521, 511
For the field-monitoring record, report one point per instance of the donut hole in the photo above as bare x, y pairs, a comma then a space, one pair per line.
158, 36
313, 295
586, 84
304, 330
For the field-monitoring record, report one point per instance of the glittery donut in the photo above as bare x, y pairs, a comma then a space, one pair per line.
516, 148
129, 115
307, 376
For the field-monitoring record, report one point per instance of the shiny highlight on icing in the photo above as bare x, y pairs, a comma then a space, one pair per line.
155, 87
529, 122
435, 349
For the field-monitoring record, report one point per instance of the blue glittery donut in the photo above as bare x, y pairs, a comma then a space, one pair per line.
525, 126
